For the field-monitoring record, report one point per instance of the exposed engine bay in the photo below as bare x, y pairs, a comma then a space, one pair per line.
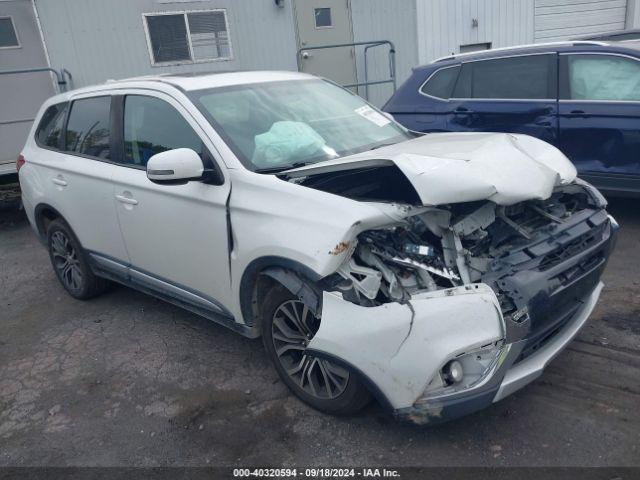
472, 242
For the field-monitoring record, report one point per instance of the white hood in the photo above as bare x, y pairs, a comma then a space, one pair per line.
464, 167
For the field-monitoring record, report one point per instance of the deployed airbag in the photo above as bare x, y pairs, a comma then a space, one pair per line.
284, 142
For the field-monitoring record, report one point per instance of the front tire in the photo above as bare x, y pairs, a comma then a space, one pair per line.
287, 327
70, 263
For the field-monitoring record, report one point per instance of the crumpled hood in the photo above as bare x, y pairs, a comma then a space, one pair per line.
464, 167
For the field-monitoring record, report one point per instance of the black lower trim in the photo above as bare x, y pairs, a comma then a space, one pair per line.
446, 410
115, 270
250, 277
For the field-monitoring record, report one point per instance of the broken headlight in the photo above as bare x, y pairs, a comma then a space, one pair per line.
466, 371
394, 263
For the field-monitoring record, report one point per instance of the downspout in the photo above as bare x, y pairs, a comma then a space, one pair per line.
56, 87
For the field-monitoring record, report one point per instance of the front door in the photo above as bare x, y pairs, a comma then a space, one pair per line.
176, 235
514, 94
600, 114
326, 22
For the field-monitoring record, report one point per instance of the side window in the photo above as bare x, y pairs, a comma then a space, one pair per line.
49, 130
441, 83
152, 126
88, 128
603, 77
516, 78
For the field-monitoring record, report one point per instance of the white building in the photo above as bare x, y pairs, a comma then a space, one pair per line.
95, 40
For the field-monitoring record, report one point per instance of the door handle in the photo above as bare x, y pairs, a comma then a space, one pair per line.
462, 110
578, 113
127, 200
59, 181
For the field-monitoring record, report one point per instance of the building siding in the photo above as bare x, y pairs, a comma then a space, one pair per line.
21, 94
384, 20
98, 40
633, 14
444, 25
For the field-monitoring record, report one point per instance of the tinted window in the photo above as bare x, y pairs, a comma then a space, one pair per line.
88, 128
152, 126
603, 77
51, 126
441, 83
527, 77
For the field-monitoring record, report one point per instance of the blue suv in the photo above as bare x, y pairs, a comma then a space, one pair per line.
581, 96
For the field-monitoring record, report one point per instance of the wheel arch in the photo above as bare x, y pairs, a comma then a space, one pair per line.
43, 215
264, 272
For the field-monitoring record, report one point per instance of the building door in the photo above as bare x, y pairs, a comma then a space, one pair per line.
560, 20
326, 22
22, 94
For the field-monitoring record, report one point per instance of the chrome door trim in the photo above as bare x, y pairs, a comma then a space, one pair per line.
173, 290
142, 280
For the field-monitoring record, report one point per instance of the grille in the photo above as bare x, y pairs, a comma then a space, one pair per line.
571, 249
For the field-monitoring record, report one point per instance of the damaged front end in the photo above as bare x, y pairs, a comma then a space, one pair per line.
459, 305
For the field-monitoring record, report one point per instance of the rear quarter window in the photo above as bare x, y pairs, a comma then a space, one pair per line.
49, 131
440, 84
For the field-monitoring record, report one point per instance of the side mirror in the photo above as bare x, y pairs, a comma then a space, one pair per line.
180, 164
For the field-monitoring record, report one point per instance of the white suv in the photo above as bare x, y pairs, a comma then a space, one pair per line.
438, 273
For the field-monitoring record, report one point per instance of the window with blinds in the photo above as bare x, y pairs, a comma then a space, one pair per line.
188, 37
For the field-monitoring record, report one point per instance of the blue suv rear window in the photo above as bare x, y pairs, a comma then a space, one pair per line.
440, 84
529, 77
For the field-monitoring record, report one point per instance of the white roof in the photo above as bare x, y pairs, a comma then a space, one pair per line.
195, 81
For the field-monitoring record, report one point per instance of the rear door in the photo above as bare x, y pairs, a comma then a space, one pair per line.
78, 174
513, 94
600, 114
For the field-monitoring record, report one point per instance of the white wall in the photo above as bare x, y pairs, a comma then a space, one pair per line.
385, 20
633, 14
101, 39
444, 25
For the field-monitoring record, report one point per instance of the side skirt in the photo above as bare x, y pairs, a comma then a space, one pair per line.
170, 292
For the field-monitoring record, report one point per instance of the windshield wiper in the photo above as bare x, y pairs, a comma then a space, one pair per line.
388, 144
282, 167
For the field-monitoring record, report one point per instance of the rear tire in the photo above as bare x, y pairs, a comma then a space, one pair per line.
70, 264
287, 327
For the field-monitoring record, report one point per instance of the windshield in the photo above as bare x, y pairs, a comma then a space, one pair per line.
280, 125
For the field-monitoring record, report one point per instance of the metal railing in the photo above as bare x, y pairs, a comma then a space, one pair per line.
367, 45
61, 75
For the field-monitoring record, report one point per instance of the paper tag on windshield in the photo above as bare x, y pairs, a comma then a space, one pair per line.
373, 116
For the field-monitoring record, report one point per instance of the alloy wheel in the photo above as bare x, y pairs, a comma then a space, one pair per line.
293, 326
66, 261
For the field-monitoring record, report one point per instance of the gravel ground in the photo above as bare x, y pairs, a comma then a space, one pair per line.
127, 380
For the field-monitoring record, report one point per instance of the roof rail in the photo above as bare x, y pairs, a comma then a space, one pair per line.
516, 47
